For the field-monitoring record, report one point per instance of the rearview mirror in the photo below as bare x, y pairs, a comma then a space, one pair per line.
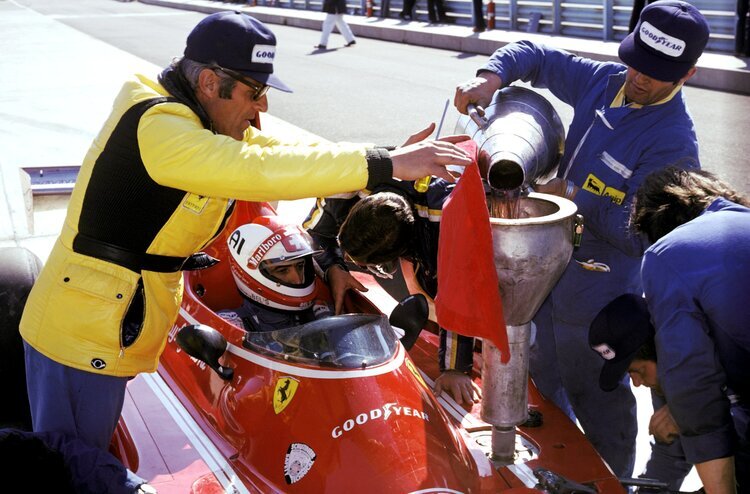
411, 315
205, 344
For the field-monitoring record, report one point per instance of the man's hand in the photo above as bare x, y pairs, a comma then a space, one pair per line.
424, 158
558, 187
663, 427
339, 281
459, 385
478, 91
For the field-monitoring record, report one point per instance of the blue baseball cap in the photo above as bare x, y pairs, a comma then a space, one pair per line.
667, 41
238, 42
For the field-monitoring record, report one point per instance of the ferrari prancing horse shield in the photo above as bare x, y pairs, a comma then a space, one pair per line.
284, 392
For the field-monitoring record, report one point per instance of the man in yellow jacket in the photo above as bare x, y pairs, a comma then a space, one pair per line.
155, 188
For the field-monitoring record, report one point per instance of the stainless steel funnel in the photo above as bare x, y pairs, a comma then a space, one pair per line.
522, 141
531, 253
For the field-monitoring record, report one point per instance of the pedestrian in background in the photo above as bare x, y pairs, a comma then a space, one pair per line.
477, 12
335, 10
742, 32
629, 120
436, 11
636, 13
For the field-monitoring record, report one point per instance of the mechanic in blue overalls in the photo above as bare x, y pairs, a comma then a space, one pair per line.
272, 265
695, 279
628, 121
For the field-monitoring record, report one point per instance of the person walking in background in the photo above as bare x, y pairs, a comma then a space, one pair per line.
636, 13
741, 32
629, 120
477, 13
436, 11
335, 10
407, 9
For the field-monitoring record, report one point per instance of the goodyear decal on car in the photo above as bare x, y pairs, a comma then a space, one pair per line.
286, 387
195, 203
596, 186
298, 461
385, 412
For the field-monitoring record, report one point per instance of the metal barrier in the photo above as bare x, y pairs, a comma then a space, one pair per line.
604, 20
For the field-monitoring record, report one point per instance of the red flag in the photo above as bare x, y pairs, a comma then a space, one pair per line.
468, 300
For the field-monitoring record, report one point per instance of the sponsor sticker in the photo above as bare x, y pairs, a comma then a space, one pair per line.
286, 387
660, 41
605, 351
98, 364
594, 185
384, 413
195, 203
299, 460
263, 54
617, 196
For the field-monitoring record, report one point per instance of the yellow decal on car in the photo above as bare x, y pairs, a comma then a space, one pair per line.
285, 389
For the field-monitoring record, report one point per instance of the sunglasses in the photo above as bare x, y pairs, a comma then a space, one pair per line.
384, 270
260, 89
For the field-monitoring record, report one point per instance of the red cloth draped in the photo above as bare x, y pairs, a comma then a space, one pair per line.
468, 300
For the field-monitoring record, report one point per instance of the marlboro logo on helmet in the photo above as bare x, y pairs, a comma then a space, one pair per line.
668, 40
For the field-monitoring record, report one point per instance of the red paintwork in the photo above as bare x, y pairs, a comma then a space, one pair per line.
417, 450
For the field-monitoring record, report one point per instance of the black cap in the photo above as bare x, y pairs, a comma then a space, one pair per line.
617, 332
238, 42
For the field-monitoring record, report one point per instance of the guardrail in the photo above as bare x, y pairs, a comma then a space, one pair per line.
604, 20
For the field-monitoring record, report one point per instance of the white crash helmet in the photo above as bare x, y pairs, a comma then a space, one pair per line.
255, 246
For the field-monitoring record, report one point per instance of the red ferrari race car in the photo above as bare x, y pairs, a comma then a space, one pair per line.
340, 405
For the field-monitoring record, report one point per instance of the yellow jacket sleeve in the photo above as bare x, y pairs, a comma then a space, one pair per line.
178, 152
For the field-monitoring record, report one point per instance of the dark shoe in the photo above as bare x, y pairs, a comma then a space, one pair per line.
405, 17
478, 29
320, 47
351, 43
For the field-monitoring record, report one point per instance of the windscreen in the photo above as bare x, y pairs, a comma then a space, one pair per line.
351, 341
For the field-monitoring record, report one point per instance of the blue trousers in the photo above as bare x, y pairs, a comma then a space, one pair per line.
566, 371
73, 402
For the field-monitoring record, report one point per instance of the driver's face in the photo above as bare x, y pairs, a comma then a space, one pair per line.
289, 272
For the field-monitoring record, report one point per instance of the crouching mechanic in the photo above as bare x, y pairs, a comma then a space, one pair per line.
394, 226
272, 265
623, 336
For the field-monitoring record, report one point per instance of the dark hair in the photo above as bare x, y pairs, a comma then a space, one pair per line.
647, 351
378, 229
27, 457
673, 196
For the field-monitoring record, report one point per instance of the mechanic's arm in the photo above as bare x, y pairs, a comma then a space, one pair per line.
456, 358
566, 75
717, 476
